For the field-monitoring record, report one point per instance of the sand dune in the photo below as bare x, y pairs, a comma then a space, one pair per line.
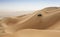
34, 21
45, 19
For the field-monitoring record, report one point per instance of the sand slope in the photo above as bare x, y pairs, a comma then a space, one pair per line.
34, 33
50, 20
37, 33
37, 22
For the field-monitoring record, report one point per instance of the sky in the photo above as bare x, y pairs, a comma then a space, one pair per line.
27, 5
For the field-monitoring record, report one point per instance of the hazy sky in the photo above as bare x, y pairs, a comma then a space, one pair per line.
18, 5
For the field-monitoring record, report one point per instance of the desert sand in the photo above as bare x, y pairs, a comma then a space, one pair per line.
41, 23
34, 33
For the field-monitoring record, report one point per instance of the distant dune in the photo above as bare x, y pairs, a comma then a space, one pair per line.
12, 13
